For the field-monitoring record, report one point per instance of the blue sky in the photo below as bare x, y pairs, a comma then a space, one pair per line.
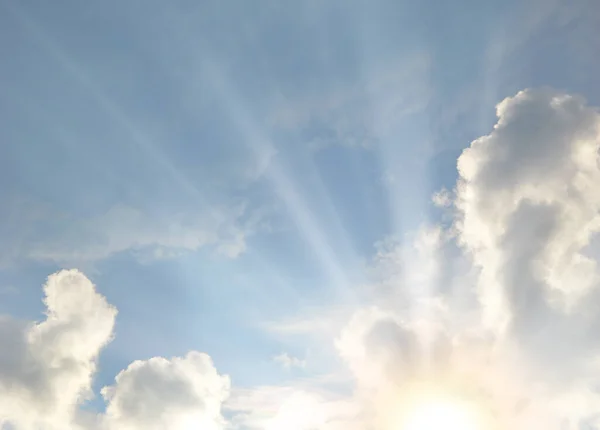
216, 167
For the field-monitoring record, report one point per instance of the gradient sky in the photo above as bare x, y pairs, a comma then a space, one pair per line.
218, 169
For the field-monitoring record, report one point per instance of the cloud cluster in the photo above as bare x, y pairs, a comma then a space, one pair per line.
46, 371
529, 204
501, 308
526, 206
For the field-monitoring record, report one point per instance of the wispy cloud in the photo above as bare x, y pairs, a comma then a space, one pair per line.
69, 240
288, 361
358, 114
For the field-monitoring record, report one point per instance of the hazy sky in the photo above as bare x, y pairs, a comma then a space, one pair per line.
296, 215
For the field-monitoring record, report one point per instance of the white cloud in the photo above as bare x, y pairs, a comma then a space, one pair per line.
529, 204
294, 407
178, 394
46, 371
68, 240
442, 198
376, 345
46, 368
526, 207
288, 361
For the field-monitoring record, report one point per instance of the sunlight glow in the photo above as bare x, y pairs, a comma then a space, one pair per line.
447, 415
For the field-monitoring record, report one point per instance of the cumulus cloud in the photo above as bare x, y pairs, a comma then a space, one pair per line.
527, 205
158, 393
529, 202
501, 308
442, 198
46, 371
46, 368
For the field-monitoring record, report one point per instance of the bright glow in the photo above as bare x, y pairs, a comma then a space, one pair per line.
438, 415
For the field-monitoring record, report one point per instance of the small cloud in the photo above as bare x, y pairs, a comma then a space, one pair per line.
164, 393
288, 362
442, 198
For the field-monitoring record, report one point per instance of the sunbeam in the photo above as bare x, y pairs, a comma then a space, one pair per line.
143, 142
296, 207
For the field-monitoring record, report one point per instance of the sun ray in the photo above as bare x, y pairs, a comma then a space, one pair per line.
138, 138
285, 189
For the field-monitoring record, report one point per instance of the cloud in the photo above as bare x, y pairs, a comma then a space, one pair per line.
527, 205
178, 394
376, 345
69, 240
46, 368
292, 408
442, 198
288, 362
46, 371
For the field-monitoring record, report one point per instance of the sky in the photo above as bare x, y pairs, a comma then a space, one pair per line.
278, 215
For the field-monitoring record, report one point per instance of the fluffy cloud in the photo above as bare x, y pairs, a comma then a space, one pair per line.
501, 308
527, 205
178, 394
292, 408
46, 371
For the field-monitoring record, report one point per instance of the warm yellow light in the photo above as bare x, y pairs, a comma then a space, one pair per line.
441, 415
